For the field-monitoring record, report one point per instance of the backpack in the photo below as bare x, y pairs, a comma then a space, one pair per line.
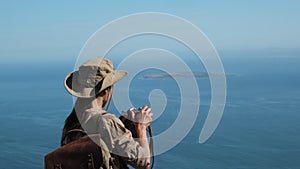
83, 153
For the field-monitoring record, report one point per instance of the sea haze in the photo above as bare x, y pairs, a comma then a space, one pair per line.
259, 129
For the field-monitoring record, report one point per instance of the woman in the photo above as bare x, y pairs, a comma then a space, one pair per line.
93, 84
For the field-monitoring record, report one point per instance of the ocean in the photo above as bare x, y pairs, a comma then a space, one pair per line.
259, 128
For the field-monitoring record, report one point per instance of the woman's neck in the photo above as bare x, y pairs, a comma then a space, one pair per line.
84, 104
97, 103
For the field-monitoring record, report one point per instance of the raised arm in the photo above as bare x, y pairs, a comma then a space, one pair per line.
142, 120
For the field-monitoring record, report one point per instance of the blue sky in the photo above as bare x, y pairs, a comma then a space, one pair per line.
58, 29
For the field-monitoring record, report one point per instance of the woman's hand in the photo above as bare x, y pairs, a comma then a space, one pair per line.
141, 118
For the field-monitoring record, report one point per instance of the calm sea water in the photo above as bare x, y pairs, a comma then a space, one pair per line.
259, 129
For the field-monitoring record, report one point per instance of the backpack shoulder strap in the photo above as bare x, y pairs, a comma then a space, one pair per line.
76, 130
72, 131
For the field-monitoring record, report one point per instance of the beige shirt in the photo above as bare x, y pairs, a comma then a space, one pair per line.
113, 132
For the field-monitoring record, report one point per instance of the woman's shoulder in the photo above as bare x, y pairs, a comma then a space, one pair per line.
103, 115
96, 119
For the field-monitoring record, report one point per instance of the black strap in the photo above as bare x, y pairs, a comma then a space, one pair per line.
151, 146
72, 131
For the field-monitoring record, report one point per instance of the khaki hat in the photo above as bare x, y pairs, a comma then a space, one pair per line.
93, 76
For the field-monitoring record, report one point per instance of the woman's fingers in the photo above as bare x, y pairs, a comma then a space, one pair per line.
146, 109
142, 116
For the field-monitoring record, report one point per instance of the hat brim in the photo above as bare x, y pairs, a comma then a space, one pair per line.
73, 88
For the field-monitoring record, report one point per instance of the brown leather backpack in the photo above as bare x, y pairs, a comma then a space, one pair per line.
83, 153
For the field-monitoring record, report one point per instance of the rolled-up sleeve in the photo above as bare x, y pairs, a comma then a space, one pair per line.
119, 140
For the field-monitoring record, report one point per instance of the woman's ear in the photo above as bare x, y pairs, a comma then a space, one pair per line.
107, 91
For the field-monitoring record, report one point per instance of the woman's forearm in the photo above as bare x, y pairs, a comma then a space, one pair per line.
143, 141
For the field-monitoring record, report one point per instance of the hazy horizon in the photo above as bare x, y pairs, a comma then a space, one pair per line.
58, 30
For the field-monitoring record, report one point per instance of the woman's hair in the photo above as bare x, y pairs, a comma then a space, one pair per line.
72, 121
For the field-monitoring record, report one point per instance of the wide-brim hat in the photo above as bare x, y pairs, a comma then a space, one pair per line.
93, 76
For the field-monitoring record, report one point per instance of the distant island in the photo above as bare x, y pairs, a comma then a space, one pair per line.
185, 75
